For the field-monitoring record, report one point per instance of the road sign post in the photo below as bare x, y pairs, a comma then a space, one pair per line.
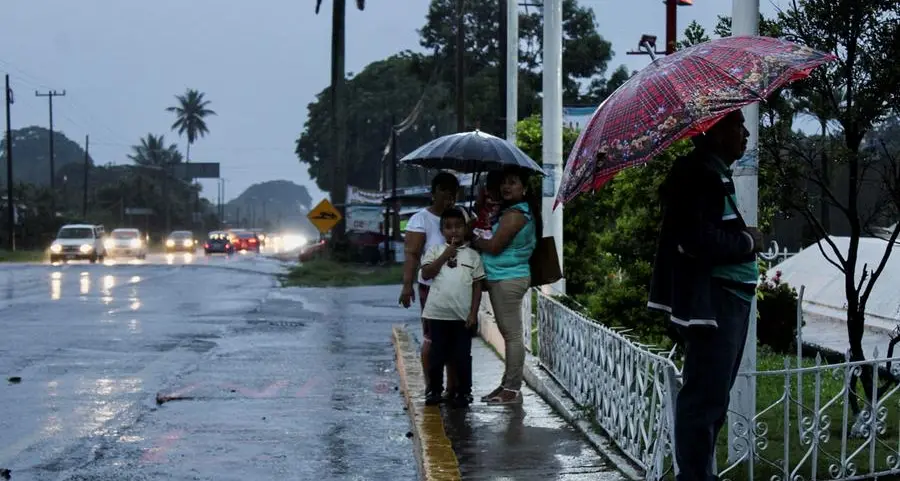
324, 216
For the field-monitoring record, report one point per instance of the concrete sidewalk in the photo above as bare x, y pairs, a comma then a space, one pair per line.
484, 442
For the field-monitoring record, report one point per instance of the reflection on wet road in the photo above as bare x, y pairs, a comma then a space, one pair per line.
194, 369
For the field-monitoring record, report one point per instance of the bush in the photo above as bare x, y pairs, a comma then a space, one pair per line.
776, 313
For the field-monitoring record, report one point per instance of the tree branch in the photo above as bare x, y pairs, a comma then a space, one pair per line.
810, 218
881, 265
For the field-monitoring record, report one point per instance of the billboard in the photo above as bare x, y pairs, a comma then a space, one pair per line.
196, 170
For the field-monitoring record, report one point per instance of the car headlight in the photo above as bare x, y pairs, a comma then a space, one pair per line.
109, 244
188, 243
170, 243
135, 243
55, 248
85, 248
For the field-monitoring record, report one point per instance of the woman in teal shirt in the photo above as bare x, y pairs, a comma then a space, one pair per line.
506, 254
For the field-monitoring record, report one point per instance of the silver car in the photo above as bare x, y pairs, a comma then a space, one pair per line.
126, 243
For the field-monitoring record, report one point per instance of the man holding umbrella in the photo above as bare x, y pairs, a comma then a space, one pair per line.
705, 272
704, 276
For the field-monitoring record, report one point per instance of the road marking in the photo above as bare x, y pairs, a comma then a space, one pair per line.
269, 391
305, 388
164, 444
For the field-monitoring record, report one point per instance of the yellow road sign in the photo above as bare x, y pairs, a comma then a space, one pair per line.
324, 216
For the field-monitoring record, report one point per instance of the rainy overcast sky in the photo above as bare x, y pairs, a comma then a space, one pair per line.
260, 63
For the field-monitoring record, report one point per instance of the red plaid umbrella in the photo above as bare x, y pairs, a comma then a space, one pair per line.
679, 96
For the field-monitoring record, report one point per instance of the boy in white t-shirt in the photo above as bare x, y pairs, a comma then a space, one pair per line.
451, 310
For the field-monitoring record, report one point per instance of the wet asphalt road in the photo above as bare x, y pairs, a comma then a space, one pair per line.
188, 368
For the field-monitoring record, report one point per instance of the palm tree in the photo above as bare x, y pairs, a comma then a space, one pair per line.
190, 114
153, 152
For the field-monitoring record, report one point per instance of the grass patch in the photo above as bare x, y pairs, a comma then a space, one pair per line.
22, 256
328, 273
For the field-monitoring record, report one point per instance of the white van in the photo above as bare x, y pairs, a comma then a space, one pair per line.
79, 241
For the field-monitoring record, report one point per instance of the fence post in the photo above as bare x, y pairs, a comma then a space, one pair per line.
800, 361
526, 320
672, 388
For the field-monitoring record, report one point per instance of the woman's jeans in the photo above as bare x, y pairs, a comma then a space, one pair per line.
506, 300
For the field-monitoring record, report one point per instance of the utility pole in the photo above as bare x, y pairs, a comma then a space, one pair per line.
168, 211
395, 158
219, 201
460, 66
512, 68
671, 26
10, 202
87, 166
339, 180
50, 94
552, 151
503, 42
745, 21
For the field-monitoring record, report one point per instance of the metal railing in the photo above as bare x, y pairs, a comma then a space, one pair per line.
811, 423
821, 437
626, 388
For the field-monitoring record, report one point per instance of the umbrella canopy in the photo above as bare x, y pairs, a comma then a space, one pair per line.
470, 152
679, 96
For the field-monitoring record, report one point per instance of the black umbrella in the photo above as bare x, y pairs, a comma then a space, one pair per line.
470, 152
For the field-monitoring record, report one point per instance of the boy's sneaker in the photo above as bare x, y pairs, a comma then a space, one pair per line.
461, 401
432, 398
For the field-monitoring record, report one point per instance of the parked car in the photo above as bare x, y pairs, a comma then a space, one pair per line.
218, 243
181, 241
126, 243
79, 241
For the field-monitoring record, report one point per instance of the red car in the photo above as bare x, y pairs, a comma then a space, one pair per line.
246, 241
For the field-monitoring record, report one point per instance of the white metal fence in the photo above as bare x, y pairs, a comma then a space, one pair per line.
810, 431
810, 424
626, 388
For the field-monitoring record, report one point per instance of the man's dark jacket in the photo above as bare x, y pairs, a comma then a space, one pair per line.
694, 238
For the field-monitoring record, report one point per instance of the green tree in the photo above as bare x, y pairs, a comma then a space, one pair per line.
693, 34
190, 117
153, 152
391, 89
384, 92
864, 37
585, 52
855, 93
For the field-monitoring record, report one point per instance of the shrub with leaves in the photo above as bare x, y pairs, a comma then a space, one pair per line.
776, 308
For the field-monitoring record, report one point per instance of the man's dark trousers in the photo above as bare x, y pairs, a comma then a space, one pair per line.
711, 362
451, 343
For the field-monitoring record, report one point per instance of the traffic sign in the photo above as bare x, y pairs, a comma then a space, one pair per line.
324, 216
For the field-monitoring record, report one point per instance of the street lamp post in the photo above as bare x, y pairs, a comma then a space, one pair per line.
552, 151
745, 21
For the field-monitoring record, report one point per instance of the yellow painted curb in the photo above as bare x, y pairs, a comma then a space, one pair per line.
437, 460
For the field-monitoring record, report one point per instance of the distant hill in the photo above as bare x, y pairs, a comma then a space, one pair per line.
31, 155
276, 204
